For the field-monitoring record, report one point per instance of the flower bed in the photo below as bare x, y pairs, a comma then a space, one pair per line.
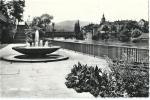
120, 82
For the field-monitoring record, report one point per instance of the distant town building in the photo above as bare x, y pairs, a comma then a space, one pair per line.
141, 23
113, 29
102, 26
103, 19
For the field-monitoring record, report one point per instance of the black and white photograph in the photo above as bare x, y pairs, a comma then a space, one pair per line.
80, 49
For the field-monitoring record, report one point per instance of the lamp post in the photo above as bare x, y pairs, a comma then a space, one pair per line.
53, 29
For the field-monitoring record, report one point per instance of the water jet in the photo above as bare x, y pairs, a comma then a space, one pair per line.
37, 51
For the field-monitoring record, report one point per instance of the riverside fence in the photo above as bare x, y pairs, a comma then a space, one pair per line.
134, 54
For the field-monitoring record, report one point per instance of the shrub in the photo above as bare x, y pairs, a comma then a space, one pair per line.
120, 82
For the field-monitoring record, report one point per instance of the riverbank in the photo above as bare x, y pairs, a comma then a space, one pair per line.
109, 42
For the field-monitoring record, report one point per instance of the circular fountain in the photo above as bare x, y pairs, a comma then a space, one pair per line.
36, 51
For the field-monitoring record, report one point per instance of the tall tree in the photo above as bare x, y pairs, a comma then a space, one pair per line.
77, 31
77, 27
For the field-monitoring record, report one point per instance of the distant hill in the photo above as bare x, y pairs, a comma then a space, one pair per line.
68, 25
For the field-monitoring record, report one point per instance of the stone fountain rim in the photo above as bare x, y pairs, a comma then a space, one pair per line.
12, 58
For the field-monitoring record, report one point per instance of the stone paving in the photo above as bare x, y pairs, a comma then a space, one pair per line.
42, 80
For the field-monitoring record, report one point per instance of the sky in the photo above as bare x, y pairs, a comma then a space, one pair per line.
88, 10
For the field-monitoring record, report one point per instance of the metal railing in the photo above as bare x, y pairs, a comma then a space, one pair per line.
133, 54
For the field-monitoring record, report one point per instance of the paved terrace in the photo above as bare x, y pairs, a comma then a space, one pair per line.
42, 80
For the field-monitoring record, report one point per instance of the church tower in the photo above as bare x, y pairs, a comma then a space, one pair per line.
103, 19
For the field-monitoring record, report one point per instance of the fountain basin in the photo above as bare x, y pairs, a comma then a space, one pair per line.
35, 51
34, 59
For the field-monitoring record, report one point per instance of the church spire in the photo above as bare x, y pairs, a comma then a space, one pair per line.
103, 19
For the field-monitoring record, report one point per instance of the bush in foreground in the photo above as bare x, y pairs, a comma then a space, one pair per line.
120, 82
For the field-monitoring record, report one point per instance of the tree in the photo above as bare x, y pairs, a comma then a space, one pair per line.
131, 25
16, 9
113, 28
124, 35
145, 27
77, 31
136, 33
42, 21
36, 22
88, 28
77, 27
105, 36
105, 28
46, 19
3, 8
13, 9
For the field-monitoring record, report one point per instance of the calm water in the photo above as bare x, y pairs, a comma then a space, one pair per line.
110, 42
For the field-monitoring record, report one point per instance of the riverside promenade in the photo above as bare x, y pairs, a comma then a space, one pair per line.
42, 80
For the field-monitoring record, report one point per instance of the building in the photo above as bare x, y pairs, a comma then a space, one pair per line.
103, 26
103, 20
141, 23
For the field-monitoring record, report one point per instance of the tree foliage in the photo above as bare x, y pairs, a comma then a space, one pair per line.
121, 30
36, 21
105, 28
113, 28
42, 21
136, 33
3, 8
131, 25
125, 35
46, 18
17, 9
13, 9
88, 28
